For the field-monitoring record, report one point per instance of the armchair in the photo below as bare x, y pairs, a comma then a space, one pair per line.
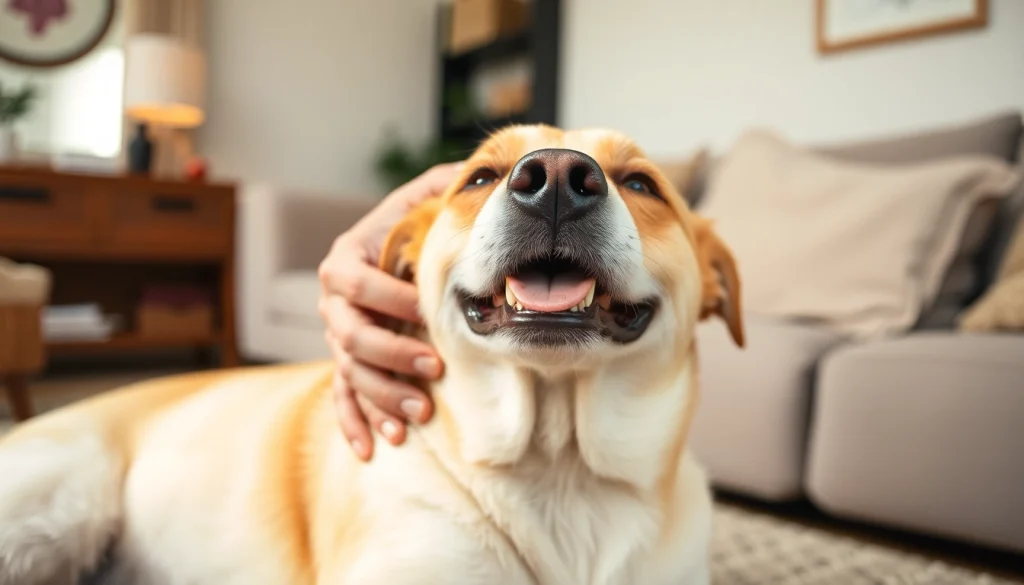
283, 234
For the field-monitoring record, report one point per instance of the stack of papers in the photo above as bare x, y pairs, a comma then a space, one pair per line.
84, 322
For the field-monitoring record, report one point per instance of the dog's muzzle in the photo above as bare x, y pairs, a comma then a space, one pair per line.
555, 285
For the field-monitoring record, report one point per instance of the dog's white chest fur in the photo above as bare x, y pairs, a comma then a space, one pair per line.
544, 514
571, 526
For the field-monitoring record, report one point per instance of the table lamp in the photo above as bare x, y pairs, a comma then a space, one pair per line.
163, 90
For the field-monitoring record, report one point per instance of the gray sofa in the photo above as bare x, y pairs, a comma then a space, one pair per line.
923, 432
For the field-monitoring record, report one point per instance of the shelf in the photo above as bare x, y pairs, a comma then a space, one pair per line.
134, 341
537, 45
480, 127
502, 48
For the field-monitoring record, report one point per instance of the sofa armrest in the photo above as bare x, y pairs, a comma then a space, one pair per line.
281, 230
923, 432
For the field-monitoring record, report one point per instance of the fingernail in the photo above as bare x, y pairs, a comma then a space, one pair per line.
389, 429
358, 447
412, 408
426, 366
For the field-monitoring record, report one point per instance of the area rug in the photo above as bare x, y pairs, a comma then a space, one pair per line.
752, 548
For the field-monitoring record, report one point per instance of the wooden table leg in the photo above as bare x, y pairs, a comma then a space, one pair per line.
18, 396
229, 348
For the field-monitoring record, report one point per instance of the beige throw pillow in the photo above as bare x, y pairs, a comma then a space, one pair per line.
857, 247
687, 175
1001, 308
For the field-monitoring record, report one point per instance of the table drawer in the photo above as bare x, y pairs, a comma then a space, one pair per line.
171, 217
34, 212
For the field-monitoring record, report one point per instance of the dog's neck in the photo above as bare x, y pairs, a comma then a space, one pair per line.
623, 422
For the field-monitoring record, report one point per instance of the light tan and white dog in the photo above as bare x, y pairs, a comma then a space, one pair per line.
561, 278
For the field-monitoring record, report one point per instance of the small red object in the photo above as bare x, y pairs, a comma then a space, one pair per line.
195, 169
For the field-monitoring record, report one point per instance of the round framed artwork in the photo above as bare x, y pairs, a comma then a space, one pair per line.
47, 33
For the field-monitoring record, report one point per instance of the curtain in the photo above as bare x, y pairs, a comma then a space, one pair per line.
181, 18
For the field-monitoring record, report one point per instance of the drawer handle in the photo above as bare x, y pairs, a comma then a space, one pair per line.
25, 195
172, 204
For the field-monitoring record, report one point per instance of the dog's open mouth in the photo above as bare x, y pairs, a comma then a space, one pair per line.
553, 301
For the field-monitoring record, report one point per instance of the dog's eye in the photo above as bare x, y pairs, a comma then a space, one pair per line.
481, 177
640, 184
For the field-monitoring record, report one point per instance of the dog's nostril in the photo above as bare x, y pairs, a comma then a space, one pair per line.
583, 181
529, 180
538, 178
577, 180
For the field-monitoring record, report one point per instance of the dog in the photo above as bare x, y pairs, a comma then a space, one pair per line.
561, 278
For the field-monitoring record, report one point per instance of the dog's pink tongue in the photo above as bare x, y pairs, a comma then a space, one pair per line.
539, 292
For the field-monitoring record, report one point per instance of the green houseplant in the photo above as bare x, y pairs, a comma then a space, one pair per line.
15, 104
398, 162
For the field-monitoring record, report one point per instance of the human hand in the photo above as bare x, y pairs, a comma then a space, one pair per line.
355, 294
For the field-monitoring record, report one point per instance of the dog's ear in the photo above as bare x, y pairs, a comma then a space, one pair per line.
402, 247
720, 279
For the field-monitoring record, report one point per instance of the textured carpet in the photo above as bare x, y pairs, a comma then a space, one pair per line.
750, 547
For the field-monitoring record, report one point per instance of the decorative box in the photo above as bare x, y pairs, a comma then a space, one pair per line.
175, 311
509, 98
478, 22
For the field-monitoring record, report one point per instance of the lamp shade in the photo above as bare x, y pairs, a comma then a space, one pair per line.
164, 81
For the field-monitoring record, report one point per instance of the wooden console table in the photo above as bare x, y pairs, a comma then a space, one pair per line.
106, 237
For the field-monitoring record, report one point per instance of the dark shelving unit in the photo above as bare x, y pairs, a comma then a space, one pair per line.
538, 44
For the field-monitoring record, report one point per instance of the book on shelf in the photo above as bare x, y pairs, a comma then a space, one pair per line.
80, 322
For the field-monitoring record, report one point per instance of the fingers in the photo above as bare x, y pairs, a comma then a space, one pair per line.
350, 418
398, 400
367, 287
366, 398
391, 352
392, 428
342, 319
364, 340
357, 415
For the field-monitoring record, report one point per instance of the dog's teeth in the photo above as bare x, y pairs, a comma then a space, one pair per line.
575, 308
519, 306
582, 307
590, 295
510, 297
605, 301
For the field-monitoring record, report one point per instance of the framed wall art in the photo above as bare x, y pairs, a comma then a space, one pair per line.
849, 24
48, 33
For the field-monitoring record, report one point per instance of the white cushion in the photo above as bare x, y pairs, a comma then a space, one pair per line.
23, 284
860, 248
293, 296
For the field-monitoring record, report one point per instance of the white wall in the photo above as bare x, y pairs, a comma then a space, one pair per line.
300, 91
78, 109
676, 74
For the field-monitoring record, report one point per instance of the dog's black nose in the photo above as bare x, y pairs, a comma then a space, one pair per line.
557, 185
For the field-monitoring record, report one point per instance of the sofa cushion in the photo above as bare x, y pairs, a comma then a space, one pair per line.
687, 174
293, 298
988, 229
1002, 307
859, 248
1011, 211
924, 433
998, 135
750, 427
